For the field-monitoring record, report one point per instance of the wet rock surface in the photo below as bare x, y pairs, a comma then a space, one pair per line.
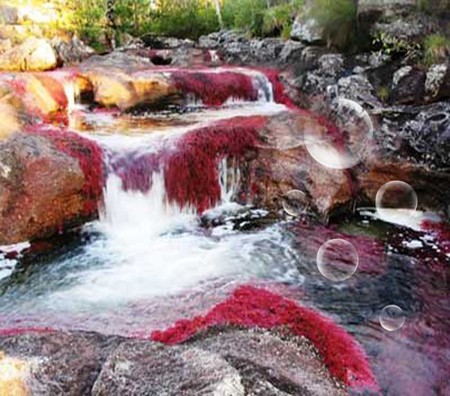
59, 363
224, 360
44, 187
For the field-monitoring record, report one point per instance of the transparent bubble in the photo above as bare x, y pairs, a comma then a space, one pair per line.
344, 146
396, 201
392, 318
337, 260
295, 202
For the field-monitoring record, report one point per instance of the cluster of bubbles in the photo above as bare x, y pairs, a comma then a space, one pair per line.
396, 201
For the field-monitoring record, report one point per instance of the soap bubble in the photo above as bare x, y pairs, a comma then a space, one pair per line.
337, 260
343, 147
396, 201
392, 318
295, 202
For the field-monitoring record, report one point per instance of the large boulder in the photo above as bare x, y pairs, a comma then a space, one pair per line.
33, 55
412, 145
127, 91
221, 361
48, 180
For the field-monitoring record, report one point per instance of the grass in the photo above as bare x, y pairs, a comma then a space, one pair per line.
436, 49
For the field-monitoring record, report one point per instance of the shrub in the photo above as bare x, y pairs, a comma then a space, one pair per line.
436, 49
278, 19
338, 19
245, 15
187, 19
396, 47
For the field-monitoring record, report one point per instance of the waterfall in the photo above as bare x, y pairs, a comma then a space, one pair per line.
229, 179
72, 93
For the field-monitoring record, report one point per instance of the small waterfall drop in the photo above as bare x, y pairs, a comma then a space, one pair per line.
72, 92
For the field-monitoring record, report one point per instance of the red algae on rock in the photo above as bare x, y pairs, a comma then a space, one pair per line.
254, 307
191, 175
215, 88
25, 330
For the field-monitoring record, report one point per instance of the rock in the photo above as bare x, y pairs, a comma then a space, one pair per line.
401, 29
284, 164
211, 41
219, 361
291, 52
375, 9
317, 70
32, 55
8, 14
437, 83
271, 362
38, 97
408, 86
127, 91
144, 368
48, 180
159, 43
359, 89
5, 45
9, 117
55, 363
308, 31
70, 52
115, 61
412, 144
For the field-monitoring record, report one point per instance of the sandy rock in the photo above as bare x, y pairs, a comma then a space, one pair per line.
32, 55
127, 91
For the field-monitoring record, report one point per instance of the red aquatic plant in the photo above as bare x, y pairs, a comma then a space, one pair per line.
215, 88
255, 307
191, 175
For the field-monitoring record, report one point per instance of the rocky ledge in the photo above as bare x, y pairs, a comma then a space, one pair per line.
240, 347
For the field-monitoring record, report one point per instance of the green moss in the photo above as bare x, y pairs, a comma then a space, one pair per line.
383, 93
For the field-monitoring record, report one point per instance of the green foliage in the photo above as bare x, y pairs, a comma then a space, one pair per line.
245, 15
338, 19
397, 47
433, 6
436, 49
278, 19
184, 19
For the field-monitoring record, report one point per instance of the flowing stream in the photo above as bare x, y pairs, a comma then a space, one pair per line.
148, 262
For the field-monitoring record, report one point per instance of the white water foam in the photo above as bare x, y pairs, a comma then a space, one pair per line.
154, 248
